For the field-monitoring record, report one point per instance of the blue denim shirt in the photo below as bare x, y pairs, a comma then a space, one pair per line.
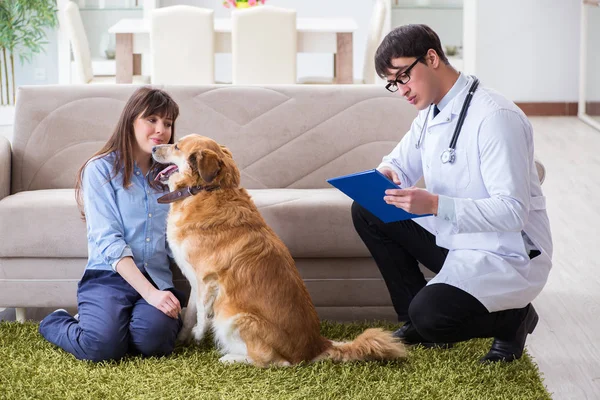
124, 222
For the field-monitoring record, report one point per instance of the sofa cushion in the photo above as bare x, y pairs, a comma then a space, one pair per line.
42, 223
311, 222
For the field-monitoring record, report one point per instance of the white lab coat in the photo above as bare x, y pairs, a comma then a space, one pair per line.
496, 193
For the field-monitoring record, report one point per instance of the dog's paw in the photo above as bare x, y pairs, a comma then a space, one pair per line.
198, 332
235, 358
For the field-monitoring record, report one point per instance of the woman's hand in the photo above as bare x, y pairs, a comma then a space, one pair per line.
165, 301
413, 200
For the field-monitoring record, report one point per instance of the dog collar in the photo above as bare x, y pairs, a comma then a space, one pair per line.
181, 194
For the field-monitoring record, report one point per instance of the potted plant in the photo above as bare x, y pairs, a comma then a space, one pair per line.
23, 26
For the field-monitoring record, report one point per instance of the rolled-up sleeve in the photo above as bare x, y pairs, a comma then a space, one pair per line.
104, 223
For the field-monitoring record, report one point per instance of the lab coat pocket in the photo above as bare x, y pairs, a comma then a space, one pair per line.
456, 174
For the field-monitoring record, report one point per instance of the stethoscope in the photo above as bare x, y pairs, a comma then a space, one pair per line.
449, 155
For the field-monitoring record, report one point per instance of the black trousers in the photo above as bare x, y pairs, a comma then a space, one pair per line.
439, 312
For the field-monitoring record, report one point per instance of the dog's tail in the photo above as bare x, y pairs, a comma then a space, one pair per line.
372, 344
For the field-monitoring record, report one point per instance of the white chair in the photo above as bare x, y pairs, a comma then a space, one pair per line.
70, 21
378, 17
264, 45
182, 43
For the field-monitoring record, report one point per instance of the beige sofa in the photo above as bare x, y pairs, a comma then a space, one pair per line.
287, 140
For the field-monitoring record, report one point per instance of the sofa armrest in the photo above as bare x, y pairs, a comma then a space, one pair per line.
541, 170
5, 159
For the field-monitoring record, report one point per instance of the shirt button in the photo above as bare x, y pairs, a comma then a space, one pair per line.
137, 173
447, 119
147, 191
149, 215
147, 239
145, 264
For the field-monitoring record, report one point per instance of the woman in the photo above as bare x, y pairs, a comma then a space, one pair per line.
126, 300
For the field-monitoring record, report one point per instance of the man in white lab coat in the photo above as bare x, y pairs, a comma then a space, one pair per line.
488, 239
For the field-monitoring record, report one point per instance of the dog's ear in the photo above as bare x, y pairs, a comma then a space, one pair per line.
207, 164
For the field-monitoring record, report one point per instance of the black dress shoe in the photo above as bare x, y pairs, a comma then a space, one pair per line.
410, 336
505, 350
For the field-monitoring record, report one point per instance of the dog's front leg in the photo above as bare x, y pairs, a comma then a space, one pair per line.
205, 312
189, 318
201, 318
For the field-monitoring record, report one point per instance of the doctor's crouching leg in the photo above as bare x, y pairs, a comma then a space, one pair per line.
436, 315
442, 313
396, 247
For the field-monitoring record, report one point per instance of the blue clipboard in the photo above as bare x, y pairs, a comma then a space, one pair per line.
367, 188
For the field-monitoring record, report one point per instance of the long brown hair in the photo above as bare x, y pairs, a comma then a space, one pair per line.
144, 102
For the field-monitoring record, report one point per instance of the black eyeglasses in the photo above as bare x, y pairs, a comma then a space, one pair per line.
402, 77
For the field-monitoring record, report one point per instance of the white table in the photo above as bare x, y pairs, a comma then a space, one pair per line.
315, 35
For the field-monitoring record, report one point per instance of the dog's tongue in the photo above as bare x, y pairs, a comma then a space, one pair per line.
165, 173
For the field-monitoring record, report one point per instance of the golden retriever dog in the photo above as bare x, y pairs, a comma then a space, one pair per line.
244, 281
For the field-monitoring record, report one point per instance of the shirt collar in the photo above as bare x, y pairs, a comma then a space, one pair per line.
458, 86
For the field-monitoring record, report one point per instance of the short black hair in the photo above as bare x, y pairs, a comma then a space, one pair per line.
413, 40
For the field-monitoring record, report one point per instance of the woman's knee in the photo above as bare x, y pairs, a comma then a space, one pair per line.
155, 347
103, 346
156, 338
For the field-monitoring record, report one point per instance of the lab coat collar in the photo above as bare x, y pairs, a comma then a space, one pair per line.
452, 109
454, 91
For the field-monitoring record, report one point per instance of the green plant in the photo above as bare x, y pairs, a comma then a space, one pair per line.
23, 26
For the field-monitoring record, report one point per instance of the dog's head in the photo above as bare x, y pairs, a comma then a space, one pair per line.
196, 160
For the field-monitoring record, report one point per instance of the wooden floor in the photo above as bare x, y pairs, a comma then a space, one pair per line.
566, 342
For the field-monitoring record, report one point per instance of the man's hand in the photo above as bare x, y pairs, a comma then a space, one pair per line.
165, 301
390, 174
413, 200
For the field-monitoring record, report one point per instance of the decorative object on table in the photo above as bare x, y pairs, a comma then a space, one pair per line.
451, 50
242, 3
23, 31
107, 45
110, 54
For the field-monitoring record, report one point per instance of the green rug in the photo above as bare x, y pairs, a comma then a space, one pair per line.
31, 368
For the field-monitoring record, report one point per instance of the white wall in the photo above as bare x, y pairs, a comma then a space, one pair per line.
46, 61
592, 66
526, 49
447, 23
